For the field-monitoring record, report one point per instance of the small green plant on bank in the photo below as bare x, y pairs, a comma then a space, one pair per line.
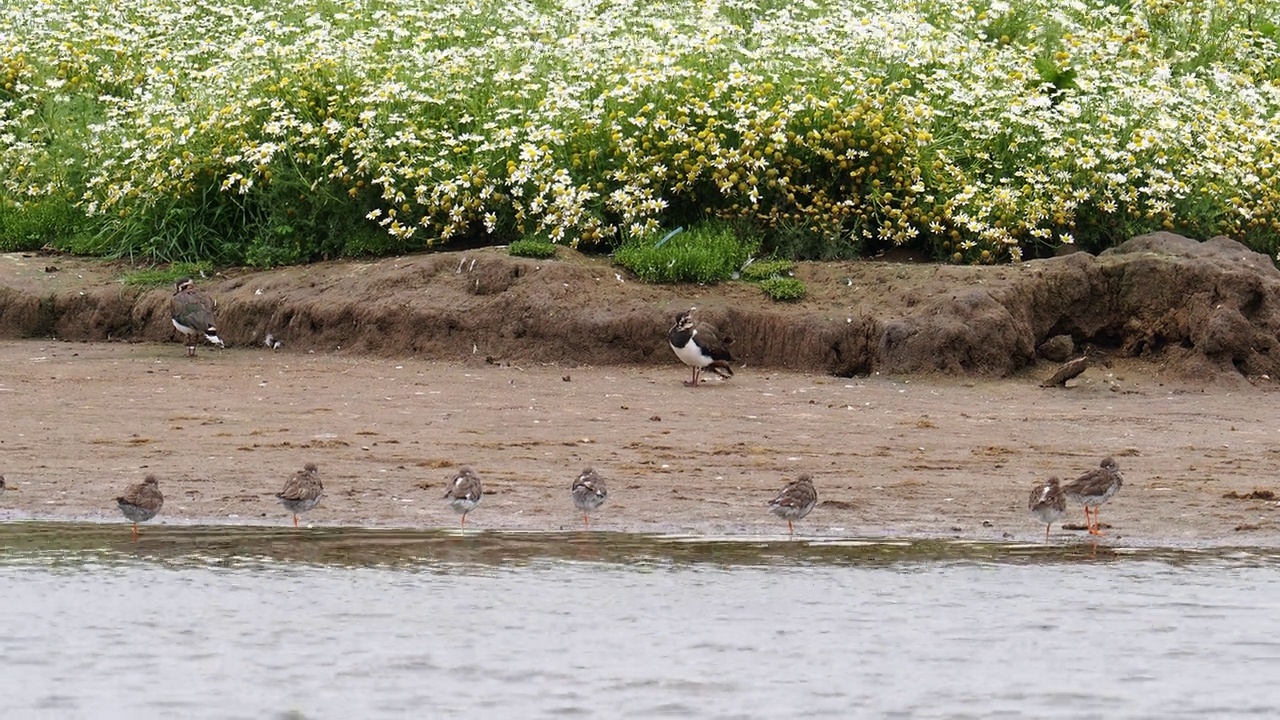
783, 289
765, 269
532, 248
707, 253
167, 275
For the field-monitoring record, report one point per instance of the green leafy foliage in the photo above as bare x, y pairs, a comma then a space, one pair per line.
1008, 129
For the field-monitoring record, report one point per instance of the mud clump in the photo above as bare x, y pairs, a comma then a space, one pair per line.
1202, 311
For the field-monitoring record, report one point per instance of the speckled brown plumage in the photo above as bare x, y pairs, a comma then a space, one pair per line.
465, 492
302, 491
1094, 488
1047, 502
794, 501
140, 502
589, 493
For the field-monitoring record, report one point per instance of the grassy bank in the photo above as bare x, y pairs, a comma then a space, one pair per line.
251, 131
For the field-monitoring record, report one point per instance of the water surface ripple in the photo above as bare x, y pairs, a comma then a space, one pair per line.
209, 622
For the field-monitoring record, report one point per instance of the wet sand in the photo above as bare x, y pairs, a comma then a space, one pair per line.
916, 457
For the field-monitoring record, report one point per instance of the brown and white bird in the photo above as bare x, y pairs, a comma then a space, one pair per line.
1048, 503
794, 501
302, 491
699, 345
589, 493
140, 502
193, 315
465, 492
1094, 488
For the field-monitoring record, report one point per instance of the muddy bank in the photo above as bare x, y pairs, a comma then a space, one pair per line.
1201, 312
927, 457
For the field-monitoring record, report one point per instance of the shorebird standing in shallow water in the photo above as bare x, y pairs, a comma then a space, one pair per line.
302, 491
1048, 503
589, 493
794, 501
141, 502
193, 315
698, 345
465, 492
1094, 488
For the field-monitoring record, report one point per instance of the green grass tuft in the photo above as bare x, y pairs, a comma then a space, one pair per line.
707, 253
765, 269
532, 248
167, 275
784, 289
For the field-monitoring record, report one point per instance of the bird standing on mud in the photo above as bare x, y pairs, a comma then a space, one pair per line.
464, 493
794, 501
193, 315
140, 502
589, 493
302, 491
1094, 488
698, 345
1048, 503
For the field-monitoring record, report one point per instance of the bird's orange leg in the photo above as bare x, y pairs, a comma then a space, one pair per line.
135, 531
1046, 531
791, 528
1097, 523
464, 521
586, 520
295, 520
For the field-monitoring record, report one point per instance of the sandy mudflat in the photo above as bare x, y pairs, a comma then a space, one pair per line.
931, 457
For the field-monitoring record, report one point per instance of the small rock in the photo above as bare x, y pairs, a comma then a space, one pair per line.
1057, 348
1067, 371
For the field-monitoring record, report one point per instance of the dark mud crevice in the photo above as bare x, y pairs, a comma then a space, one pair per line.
1198, 310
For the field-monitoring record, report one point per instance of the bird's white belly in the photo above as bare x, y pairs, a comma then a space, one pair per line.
691, 355
183, 328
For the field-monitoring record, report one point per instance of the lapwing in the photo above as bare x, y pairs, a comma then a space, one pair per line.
699, 346
302, 491
193, 315
464, 493
589, 493
1094, 488
795, 501
140, 502
1048, 503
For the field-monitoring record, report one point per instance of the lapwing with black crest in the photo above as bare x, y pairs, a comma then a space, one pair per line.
698, 344
193, 315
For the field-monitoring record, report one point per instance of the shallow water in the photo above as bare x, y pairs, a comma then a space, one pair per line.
210, 622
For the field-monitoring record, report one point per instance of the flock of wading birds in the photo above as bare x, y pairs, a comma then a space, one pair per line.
697, 343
